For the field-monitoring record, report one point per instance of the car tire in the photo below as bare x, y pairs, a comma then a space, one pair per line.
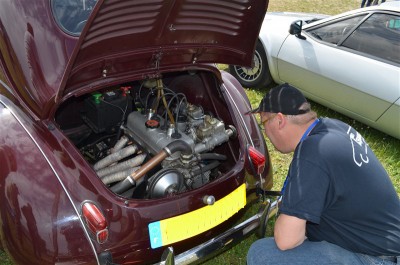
257, 76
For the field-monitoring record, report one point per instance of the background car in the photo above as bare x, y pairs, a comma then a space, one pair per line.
348, 62
119, 140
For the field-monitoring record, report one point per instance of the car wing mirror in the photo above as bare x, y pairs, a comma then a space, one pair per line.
296, 28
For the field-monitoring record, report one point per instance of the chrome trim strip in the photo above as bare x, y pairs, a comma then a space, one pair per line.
7, 87
58, 177
240, 115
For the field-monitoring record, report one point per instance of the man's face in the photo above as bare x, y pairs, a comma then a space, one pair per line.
273, 129
267, 120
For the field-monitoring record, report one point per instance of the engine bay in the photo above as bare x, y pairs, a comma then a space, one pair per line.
154, 138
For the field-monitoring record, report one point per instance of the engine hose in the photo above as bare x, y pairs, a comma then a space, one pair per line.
205, 168
114, 157
178, 145
130, 181
120, 144
133, 162
123, 186
121, 175
212, 156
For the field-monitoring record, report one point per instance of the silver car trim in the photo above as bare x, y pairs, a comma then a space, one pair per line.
243, 123
7, 87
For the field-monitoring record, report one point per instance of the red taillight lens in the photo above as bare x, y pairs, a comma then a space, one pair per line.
95, 221
258, 159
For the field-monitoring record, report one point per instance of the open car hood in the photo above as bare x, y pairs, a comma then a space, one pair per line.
144, 37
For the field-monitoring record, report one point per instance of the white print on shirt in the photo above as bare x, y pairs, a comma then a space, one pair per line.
358, 156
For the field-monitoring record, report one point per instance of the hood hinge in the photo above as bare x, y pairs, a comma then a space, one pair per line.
156, 60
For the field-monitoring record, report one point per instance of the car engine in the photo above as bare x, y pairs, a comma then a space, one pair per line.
126, 127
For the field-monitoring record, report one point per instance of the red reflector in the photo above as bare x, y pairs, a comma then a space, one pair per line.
258, 159
102, 236
95, 221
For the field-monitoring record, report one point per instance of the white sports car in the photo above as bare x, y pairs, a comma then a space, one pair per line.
347, 62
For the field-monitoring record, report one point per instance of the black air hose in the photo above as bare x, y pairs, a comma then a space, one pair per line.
205, 168
212, 156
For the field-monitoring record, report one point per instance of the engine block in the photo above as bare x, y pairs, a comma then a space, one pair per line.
202, 132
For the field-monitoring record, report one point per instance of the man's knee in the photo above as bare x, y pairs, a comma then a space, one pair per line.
259, 250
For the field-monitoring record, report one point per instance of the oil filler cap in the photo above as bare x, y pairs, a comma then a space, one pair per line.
152, 124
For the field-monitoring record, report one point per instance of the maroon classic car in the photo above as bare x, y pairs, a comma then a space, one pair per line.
120, 140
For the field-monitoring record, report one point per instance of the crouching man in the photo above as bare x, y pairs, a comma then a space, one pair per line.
339, 205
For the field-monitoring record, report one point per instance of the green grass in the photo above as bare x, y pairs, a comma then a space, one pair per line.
386, 148
4, 260
314, 6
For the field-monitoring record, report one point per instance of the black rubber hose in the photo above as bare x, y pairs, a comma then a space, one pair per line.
205, 168
212, 156
123, 186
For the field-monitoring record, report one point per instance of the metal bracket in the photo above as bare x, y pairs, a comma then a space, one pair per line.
156, 59
167, 257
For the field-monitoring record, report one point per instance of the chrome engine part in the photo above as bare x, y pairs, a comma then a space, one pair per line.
202, 132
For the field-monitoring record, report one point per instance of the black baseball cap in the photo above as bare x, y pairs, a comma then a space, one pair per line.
284, 98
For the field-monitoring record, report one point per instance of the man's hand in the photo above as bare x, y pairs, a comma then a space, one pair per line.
289, 231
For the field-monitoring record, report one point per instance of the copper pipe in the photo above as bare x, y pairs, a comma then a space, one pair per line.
149, 165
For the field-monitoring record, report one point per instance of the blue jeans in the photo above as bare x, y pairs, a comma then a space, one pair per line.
265, 251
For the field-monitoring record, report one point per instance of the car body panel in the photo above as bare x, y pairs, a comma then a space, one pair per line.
173, 33
272, 33
356, 84
323, 63
127, 219
302, 60
35, 62
31, 212
213, 37
391, 116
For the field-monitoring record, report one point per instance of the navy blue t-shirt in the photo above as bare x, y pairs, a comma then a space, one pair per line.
337, 184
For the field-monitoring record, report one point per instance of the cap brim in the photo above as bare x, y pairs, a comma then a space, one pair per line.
257, 110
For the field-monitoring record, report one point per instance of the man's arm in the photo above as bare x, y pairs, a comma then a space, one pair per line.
289, 231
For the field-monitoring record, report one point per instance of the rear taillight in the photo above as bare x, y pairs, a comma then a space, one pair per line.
258, 159
95, 221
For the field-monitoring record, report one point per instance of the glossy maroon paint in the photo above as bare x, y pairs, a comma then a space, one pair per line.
44, 179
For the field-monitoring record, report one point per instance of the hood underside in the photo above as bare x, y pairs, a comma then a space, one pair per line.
142, 37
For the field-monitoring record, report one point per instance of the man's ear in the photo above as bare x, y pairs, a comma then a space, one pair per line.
281, 120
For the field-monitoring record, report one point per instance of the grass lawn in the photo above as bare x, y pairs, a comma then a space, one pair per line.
385, 147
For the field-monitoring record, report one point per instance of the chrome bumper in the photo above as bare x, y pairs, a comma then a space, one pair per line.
256, 223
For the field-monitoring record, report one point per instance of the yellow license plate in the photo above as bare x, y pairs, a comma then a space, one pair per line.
174, 229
